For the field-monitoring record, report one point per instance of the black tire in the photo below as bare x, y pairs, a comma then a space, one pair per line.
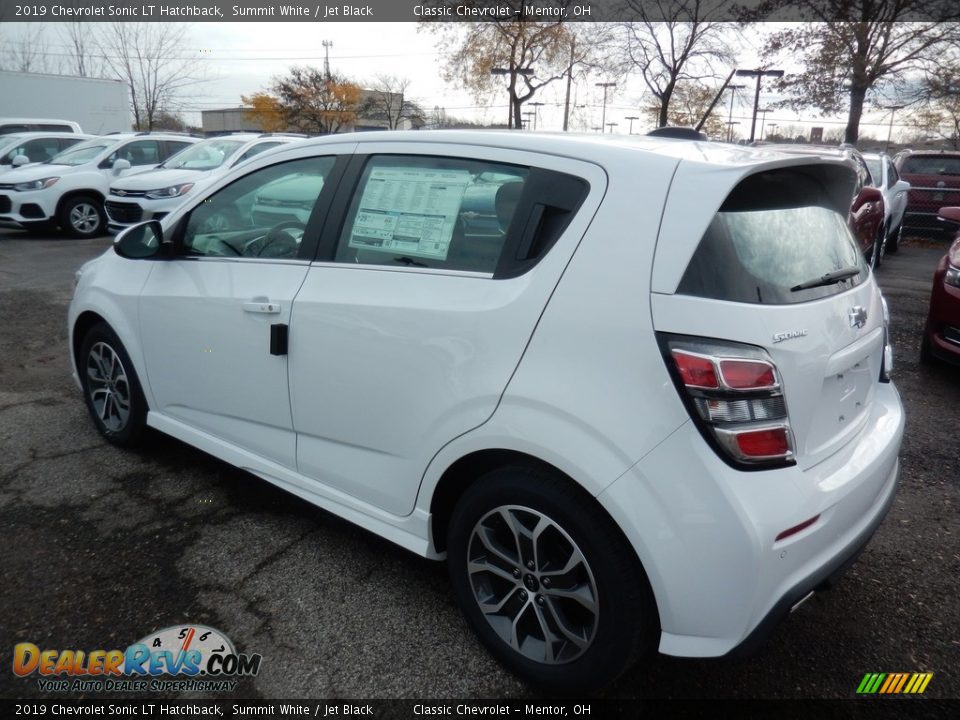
893, 242
82, 216
876, 254
926, 354
625, 625
111, 390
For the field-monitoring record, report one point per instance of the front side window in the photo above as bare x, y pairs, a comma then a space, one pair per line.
261, 215
431, 212
776, 231
37, 150
138, 152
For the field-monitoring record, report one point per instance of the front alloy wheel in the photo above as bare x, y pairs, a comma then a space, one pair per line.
108, 387
111, 388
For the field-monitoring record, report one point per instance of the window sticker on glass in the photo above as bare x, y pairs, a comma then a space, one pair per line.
409, 210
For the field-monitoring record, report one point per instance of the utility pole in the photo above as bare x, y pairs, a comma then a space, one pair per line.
631, 118
536, 112
733, 94
758, 74
566, 104
327, 44
605, 85
893, 109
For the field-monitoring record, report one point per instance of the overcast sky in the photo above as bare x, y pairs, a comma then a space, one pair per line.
241, 58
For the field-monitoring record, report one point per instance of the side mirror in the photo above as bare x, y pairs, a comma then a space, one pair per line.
19, 160
901, 186
867, 195
140, 241
121, 164
949, 215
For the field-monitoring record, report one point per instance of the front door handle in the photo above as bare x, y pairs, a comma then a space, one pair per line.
262, 306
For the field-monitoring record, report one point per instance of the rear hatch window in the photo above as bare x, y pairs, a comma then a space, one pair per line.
775, 235
931, 165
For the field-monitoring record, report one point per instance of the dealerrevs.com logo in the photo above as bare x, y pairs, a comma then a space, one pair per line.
176, 659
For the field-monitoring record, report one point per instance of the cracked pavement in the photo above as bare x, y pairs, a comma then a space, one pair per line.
103, 546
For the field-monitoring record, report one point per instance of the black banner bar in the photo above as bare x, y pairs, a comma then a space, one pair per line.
451, 10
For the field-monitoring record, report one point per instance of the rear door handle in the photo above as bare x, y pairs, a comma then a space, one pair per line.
262, 306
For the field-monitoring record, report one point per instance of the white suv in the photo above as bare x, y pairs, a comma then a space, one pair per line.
153, 194
634, 390
68, 189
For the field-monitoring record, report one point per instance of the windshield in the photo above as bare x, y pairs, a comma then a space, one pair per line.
205, 155
83, 152
875, 170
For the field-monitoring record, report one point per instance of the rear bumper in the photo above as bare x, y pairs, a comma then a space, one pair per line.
824, 578
707, 533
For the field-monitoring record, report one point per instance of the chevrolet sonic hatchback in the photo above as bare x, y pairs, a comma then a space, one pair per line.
634, 391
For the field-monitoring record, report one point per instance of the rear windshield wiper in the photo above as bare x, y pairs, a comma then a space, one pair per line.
834, 276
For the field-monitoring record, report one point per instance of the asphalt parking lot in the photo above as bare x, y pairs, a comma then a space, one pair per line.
103, 546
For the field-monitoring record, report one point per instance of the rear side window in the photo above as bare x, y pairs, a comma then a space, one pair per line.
931, 165
431, 212
775, 231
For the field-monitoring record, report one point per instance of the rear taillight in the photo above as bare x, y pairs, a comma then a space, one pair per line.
735, 395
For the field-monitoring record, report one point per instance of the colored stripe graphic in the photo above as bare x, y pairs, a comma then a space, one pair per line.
894, 683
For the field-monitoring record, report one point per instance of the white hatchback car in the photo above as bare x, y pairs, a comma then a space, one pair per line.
634, 390
68, 189
153, 194
31, 147
887, 180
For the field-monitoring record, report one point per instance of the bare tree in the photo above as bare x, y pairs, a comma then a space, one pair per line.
80, 39
855, 45
689, 102
387, 99
939, 116
150, 57
28, 51
525, 53
673, 41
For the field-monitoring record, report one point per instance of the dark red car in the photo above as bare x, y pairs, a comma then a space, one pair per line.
941, 338
934, 179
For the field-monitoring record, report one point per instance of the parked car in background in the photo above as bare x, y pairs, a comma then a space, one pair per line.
30, 147
151, 195
866, 213
648, 408
941, 335
68, 190
887, 180
934, 179
9, 126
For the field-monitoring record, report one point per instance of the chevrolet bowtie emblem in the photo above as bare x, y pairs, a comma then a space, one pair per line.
858, 317
121, 193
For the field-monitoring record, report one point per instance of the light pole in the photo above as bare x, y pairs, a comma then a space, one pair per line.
612, 125
733, 94
631, 118
512, 73
763, 122
892, 109
536, 112
531, 114
758, 74
773, 128
603, 120
730, 124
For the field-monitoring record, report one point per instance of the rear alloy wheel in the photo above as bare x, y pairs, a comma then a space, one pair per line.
111, 388
82, 217
547, 582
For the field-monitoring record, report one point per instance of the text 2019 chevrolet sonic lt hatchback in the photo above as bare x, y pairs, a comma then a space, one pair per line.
635, 391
